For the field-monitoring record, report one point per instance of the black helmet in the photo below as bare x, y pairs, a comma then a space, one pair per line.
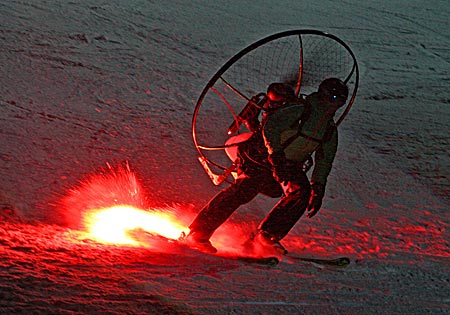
280, 92
333, 89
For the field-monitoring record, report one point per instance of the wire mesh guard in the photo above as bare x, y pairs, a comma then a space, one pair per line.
300, 58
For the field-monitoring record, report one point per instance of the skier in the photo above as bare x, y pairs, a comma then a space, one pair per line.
274, 162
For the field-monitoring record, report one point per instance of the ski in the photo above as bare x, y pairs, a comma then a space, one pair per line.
267, 261
340, 262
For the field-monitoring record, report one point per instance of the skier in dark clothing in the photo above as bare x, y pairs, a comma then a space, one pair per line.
274, 162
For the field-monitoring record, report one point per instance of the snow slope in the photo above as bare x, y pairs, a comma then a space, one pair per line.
112, 81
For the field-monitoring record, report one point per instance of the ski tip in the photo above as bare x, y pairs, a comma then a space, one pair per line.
272, 261
343, 261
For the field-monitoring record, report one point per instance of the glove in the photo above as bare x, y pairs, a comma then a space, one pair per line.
315, 202
283, 169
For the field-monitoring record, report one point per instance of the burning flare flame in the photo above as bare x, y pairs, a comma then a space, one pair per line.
109, 207
114, 224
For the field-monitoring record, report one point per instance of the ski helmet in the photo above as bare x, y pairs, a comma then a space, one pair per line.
280, 92
333, 90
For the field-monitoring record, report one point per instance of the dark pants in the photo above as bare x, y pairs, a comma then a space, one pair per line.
283, 216
278, 222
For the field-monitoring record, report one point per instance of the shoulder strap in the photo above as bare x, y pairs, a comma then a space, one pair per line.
300, 123
303, 119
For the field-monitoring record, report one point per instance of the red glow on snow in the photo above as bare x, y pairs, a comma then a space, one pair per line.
114, 224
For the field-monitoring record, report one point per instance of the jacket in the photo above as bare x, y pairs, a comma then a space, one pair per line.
300, 130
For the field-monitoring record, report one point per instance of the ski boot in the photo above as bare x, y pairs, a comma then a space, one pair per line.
267, 240
198, 242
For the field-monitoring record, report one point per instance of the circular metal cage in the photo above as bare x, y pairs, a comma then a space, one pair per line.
300, 58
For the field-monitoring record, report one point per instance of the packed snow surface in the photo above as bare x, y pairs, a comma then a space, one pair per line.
95, 83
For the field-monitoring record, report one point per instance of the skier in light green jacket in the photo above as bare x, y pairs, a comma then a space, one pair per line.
274, 162
292, 135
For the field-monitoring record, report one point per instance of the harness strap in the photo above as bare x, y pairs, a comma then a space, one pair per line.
303, 119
